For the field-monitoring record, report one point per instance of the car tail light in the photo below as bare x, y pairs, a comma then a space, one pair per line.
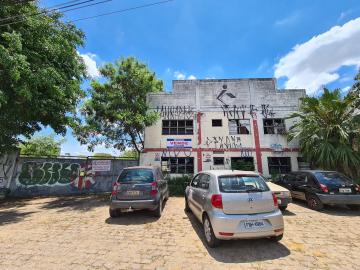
115, 189
226, 233
324, 188
276, 204
216, 201
154, 190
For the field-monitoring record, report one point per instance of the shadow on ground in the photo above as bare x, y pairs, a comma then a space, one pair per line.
241, 251
82, 203
12, 216
288, 213
137, 217
336, 210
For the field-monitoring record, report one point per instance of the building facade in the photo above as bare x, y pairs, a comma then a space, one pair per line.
221, 124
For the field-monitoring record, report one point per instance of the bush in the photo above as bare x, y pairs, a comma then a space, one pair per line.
177, 185
243, 165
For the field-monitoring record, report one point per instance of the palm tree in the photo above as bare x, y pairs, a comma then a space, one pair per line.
328, 129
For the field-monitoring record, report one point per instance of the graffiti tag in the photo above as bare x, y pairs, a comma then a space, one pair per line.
223, 142
176, 112
56, 173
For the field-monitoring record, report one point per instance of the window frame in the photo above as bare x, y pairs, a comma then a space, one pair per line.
177, 127
275, 127
279, 170
239, 126
187, 164
213, 121
223, 161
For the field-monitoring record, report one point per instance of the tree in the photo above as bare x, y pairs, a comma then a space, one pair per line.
40, 72
116, 112
130, 154
41, 146
326, 127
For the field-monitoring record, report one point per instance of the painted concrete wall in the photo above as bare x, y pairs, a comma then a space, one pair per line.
7, 167
61, 176
204, 100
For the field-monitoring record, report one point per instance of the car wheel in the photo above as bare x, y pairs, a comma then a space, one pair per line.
277, 238
210, 238
314, 202
158, 210
354, 207
283, 208
187, 208
114, 213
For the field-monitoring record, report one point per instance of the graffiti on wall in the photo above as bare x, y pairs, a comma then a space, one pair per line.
247, 111
223, 142
7, 165
49, 173
175, 153
176, 112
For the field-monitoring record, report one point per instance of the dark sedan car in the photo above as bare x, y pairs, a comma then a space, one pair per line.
142, 187
319, 188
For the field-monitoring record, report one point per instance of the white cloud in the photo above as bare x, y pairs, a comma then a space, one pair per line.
314, 63
182, 76
179, 76
91, 66
345, 89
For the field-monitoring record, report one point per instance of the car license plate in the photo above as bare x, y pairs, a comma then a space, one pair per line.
133, 192
345, 190
252, 224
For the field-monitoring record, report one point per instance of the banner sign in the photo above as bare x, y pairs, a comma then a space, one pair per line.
178, 143
101, 165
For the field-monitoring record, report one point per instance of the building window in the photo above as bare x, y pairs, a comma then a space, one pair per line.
217, 123
181, 165
274, 126
239, 126
218, 160
177, 127
278, 165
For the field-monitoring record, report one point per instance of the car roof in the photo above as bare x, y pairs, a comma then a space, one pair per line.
228, 172
313, 171
140, 167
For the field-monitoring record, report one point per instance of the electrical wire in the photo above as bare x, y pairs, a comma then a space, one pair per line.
122, 10
50, 9
95, 16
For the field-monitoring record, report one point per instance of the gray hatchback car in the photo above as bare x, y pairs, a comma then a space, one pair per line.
233, 205
142, 187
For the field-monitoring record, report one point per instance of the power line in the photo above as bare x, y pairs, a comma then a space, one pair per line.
50, 9
99, 15
121, 10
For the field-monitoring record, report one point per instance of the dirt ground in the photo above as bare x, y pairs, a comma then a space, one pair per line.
77, 233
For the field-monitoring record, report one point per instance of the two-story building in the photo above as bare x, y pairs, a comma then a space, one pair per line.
212, 124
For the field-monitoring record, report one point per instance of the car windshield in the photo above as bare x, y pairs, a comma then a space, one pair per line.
242, 183
136, 175
332, 178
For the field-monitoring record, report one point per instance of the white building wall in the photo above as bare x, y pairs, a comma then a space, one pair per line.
201, 100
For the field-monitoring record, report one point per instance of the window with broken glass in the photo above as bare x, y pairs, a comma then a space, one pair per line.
239, 126
274, 126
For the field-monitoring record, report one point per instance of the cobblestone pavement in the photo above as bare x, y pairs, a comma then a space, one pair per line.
77, 233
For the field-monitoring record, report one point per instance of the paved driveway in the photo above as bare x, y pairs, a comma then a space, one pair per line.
76, 233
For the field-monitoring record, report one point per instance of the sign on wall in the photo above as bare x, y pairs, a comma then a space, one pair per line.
178, 143
101, 165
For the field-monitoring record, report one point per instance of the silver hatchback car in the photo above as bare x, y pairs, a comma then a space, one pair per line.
234, 205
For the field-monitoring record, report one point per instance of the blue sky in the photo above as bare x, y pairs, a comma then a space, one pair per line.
305, 44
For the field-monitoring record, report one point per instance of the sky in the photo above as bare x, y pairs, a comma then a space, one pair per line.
304, 44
